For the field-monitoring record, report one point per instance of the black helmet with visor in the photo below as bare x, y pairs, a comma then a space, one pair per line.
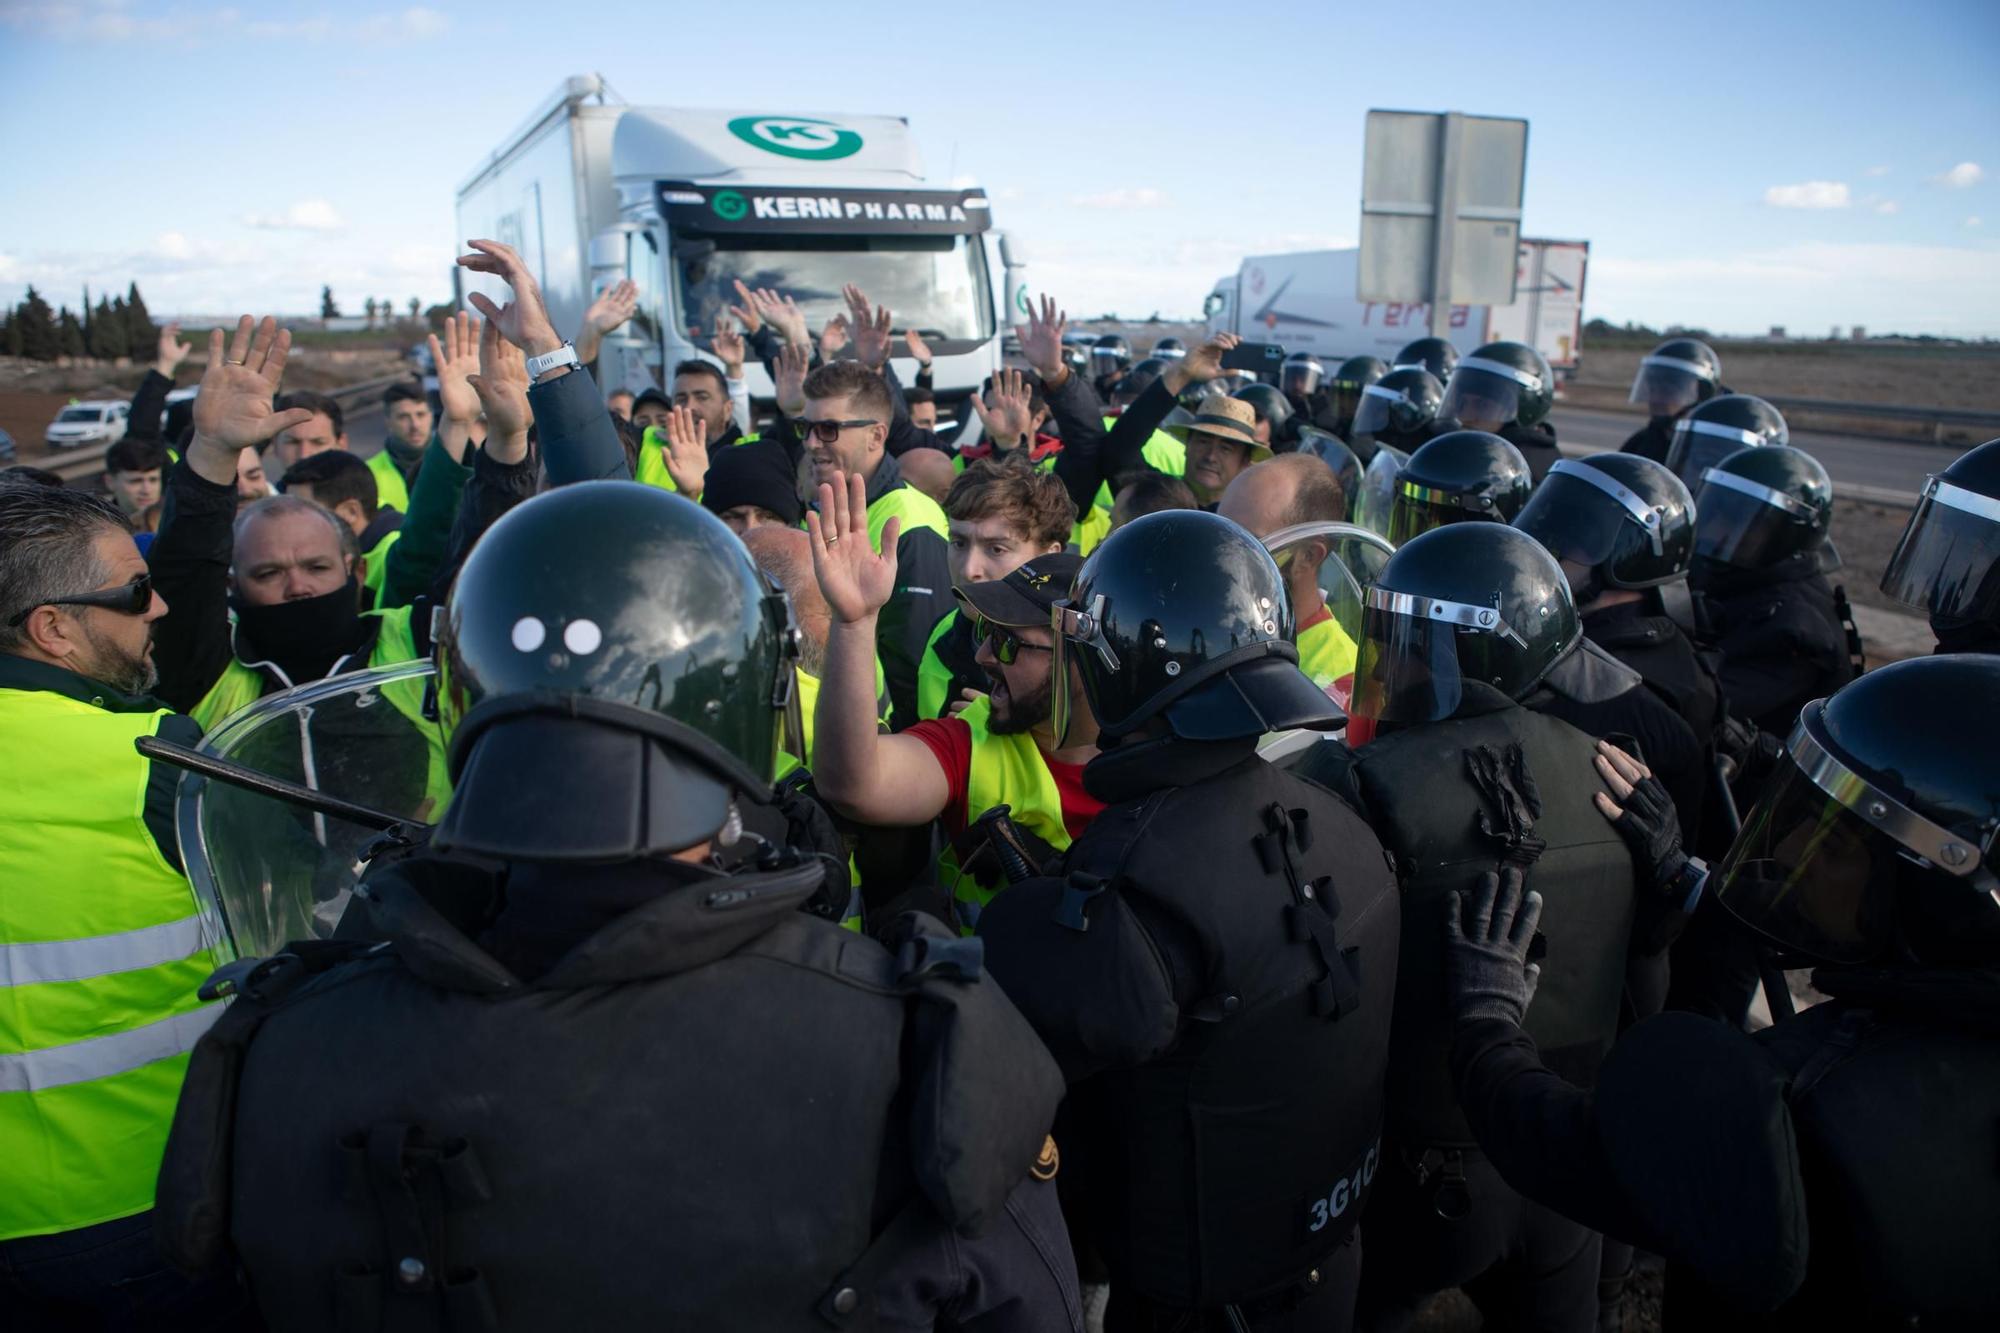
1676, 375
1619, 519
1760, 506
1500, 385
1718, 428
1947, 564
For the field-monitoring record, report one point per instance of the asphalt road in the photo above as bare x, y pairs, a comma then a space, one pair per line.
1855, 460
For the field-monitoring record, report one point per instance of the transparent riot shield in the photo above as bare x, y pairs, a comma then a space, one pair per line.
1331, 450
1378, 489
269, 871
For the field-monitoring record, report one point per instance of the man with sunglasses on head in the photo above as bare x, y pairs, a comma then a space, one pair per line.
845, 424
102, 947
1003, 750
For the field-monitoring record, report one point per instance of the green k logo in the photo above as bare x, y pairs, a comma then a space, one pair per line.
791, 136
1021, 301
729, 205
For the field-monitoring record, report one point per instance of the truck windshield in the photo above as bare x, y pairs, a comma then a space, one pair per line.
934, 283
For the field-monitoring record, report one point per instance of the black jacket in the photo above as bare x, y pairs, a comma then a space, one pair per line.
1780, 637
1537, 444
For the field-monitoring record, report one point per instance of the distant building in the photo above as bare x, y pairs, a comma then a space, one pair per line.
1858, 334
1777, 333
1834, 336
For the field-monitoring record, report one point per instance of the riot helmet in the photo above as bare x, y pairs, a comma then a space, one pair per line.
1400, 403
1139, 378
1197, 392
1875, 841
1270, 405
1676, 375
1168, 349
1436, 355
1378, 488
1948, 563
617, 644
1110, 354
1350, 378
1472, 603
1299, 377
1182, 616
1077, 357
1346, 464
1718, 428
1613, 521
1760, 506
1458, 476
1500, 385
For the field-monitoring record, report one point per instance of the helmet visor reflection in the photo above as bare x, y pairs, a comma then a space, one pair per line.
1948, 563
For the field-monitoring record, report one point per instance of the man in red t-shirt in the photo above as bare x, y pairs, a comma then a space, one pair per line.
1001, 751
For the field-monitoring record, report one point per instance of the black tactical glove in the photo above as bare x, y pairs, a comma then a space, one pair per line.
1644, 815
1486, 942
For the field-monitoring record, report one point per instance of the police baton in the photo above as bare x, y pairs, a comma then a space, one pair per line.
249, 779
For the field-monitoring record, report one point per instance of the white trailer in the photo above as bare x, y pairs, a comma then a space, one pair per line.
1305, 302
684, 202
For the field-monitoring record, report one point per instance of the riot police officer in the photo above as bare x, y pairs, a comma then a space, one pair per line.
1224, 1032
1275, 416
1110, 357
488, 1123
1436, 355
1343, 393
1506, 388
1458, 778
1399, 410
1168, 349
1827, 1173
1299, 380
1713, 430
1762, 516
1672, 378
1947, 564
1460, 476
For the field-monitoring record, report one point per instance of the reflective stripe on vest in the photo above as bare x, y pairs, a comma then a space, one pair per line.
390, 488
101, 953
906, 502
1006, 770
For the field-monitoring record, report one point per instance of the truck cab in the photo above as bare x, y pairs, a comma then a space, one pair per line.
686, 203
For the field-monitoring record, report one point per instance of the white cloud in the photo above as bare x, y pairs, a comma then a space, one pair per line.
1887, 207
1975, 222
1960, 176
305, 215
1122, 200
1812, 194
1876, 171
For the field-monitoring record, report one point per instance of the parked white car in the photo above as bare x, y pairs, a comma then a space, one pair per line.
100, 421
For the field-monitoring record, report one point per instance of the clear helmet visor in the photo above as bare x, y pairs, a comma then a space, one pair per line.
1741, 523
1298, 380
1104, 360
1379, 409
1700, 445
1079, 638
1667, 387
1377, 499
268, 872
1948, 562
1406, 670
1573, 521
1480, 400
1325, 566
1333, 451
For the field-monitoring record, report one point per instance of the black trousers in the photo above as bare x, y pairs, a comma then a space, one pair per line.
1462, 1226
1327, 1305
110, 1278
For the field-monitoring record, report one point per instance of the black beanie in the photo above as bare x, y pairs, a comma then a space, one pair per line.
758, 473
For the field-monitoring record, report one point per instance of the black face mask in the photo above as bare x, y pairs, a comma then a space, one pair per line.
303, 638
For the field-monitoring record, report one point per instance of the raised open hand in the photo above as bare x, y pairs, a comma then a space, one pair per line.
686, 452
1041, 338
790, 378
855, 579
456, 357
1203, 363
502, 386
781, 313
613, 306
833, 338
171, 351
232, 409
1008, 412
871, 328
524, 321
746, 313
919, 349
728, 344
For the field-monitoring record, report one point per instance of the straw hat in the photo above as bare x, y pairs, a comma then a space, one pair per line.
1225, 418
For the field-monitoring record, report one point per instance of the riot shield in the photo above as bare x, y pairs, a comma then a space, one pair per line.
1378, 489
1340, 559
1331, 450
268, 872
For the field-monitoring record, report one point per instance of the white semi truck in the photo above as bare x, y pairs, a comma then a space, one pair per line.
1306, 302
684, 202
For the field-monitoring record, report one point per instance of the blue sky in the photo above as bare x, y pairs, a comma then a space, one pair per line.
1733, 165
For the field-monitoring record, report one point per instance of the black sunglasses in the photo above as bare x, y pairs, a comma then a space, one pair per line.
826, 432
131, 599
1007, 645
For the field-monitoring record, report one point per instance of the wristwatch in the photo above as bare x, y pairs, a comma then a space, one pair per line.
539, 366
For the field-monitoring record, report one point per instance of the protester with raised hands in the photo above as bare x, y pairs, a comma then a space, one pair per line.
143, 422
281, 571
